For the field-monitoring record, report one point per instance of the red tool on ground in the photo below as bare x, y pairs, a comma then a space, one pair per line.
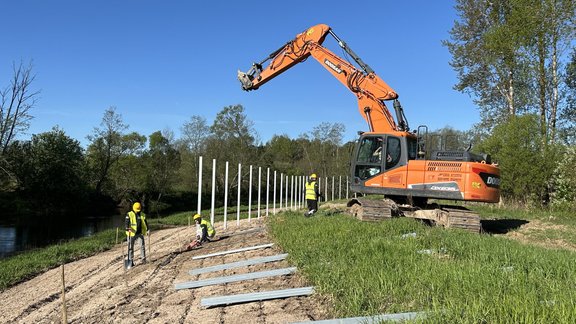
191, 246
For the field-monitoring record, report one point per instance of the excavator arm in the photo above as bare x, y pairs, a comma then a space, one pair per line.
370, 90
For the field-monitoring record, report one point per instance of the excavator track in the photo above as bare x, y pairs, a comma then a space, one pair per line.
462, 218
371, 210
446, 216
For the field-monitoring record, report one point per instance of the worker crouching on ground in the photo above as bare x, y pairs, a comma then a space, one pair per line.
136, 228
204, 230
312, 195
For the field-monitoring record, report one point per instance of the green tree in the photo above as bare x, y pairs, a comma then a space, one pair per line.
163, 162
321, 149
233, 136
508, 54
282, 154
486, 55
192, 144
564, 180
525, 167
127, 176
51, 171
568, 114
107, 145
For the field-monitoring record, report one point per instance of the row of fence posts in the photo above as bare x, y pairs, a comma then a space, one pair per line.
290, 191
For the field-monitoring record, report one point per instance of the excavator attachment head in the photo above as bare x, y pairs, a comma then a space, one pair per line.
246, 80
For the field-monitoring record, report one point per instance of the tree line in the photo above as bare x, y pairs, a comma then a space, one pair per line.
52, 175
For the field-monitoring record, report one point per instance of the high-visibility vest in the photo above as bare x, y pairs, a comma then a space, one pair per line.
311, 190
134, 226
209, 227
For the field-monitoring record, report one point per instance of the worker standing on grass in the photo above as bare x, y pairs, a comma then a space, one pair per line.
312, 195
136, 227
204, 230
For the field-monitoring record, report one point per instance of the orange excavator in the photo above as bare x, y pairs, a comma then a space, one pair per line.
388, 159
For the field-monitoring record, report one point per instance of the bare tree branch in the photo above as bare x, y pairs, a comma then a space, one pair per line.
16, 101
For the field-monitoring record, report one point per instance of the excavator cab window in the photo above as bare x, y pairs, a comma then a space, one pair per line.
412, 149
393, 152
369, 158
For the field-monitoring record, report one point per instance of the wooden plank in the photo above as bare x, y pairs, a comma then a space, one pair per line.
234, 278
238, 264
259, 296
232, 251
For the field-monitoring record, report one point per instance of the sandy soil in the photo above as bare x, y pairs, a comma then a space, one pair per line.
99, 290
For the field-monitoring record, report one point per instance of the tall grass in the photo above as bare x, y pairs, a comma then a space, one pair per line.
454, 276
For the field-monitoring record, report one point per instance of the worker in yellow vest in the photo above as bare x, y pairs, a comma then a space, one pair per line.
204, 230
136, 228
312, 195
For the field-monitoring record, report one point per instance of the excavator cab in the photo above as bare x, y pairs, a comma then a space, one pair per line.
378, 153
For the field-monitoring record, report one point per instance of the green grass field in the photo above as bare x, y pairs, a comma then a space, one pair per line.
453, 276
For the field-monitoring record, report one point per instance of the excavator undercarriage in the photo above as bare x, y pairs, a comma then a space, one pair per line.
446, 216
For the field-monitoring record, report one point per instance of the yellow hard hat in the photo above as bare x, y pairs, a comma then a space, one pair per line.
137, 207
197, 216
313, 176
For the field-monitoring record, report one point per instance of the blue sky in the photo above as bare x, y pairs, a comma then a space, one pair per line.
161, 62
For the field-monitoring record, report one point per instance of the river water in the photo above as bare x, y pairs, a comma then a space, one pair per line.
17, 237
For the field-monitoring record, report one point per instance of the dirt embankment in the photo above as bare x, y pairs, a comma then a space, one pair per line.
99, 290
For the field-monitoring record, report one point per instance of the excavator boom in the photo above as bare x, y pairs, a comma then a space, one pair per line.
370, 90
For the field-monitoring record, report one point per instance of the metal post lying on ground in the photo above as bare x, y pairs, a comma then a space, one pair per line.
238, 264
233, 251
234, 278
372, 319
259, 296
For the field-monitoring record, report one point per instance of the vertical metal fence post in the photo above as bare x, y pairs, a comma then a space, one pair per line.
259, 191
213, 200
281, 187
226, 196
267, 189
274, 199
292, 192
332, 188
339, 187
286, 200
199, 209
250, 195
238, 199
326, 189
